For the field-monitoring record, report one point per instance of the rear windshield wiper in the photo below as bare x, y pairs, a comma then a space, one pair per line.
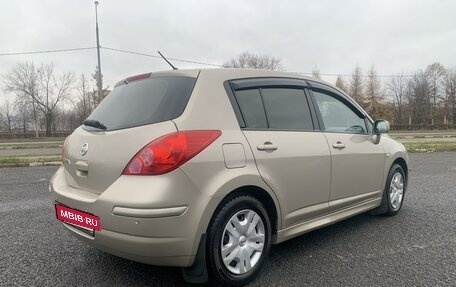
95, 124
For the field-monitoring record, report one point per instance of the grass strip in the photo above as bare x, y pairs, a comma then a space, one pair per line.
31, 145
434, 146
11, 160
31, 140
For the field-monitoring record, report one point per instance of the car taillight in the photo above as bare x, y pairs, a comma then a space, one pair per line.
170, 151
65, 145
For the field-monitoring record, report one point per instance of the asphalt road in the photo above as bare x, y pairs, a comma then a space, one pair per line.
415, 248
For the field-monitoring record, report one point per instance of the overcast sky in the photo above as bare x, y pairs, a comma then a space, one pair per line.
334, 35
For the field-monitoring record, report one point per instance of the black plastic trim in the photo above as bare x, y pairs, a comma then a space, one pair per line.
310, 101
262, 82
234, 103
197, 273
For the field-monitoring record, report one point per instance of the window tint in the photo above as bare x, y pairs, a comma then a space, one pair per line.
144, 102
252, 108
287, 109
338, 117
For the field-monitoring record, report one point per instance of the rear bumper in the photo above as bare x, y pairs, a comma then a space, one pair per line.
154, 220
155, 251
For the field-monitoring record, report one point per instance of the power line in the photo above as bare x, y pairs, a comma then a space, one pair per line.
131, 52
47, 51
183, 60
219, 65
156, 56
106, 48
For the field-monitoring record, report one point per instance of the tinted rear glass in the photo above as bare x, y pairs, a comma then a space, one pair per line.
144, 102
287, 109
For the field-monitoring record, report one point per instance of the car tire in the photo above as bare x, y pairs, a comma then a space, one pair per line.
393, 195
238, 241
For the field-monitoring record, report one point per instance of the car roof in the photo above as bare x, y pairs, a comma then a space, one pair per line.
231, 73
234, 73
223, 74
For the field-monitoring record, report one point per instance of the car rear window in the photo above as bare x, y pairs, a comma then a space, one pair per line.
144, 102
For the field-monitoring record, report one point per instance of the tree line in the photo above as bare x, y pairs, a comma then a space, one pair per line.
420, 99
46, 100
424, 98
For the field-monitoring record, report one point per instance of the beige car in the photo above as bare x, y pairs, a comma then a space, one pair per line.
205, 169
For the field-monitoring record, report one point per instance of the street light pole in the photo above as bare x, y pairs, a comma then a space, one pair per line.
100, 80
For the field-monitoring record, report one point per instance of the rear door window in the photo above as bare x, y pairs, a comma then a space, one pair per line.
275, 108
252, 108
144, 102
287, 109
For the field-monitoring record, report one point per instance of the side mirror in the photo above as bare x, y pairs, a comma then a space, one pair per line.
381, 127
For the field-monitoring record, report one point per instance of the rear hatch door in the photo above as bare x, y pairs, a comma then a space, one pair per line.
132, 115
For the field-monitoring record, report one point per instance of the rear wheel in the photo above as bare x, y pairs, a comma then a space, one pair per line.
238, 241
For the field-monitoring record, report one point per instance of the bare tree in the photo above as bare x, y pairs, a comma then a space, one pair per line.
340, 83
396, 90
53, 91
45, 90
316, 73
419, 90
22, 80
23, 113
436, 73
7, 116
252, 61
372, 94
356, 86
84, 104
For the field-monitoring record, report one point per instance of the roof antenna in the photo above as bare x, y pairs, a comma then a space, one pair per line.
174, 68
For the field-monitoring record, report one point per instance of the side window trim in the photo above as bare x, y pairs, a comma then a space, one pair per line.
264, 109
234, 103
321, 124
368, 125
316, 121
263, 82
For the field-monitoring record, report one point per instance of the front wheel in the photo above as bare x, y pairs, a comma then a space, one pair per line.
393, 196
238, 241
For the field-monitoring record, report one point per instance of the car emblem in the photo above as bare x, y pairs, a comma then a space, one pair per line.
84, 149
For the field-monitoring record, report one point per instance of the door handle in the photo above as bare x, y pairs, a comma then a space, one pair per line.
267, 146
339, 145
